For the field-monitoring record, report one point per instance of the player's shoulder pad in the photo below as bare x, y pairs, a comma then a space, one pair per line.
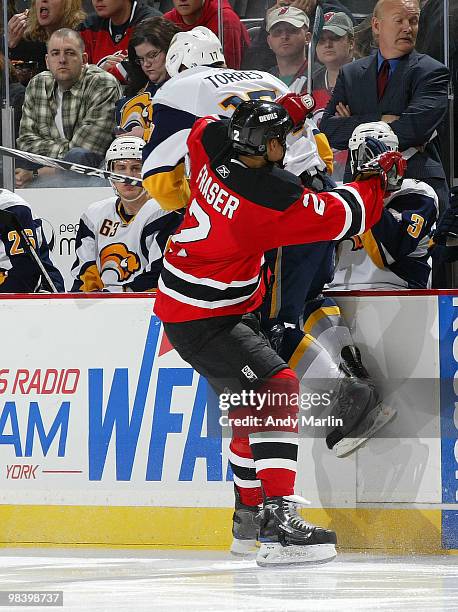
413, 188
107, 205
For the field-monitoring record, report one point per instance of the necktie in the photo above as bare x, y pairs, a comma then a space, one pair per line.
382, 78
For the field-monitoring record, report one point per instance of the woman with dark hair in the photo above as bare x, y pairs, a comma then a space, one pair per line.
146, 72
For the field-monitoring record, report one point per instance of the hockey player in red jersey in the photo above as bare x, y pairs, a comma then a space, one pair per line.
242, 204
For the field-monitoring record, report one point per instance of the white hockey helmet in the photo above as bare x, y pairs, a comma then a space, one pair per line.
378, 130
124, 147
198, 47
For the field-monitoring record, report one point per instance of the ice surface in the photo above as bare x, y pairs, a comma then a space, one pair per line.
99, 580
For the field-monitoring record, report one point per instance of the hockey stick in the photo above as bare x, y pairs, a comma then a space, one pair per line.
316, 33
10, 219
42, 160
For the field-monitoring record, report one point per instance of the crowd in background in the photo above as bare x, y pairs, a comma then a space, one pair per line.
83, 73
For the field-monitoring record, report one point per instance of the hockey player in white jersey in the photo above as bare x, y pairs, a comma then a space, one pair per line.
121, 240
200, 85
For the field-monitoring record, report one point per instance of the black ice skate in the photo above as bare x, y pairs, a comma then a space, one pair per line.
286, 539
245, 528
358, 405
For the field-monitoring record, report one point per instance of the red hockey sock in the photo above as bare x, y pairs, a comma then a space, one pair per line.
275, 447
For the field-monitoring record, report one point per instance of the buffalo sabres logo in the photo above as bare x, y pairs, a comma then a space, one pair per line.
223, 171
117, 258
138, 111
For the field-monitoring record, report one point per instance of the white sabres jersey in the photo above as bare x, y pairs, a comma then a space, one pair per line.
202, 91
393, 254
115, 252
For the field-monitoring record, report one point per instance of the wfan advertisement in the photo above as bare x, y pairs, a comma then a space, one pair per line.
105, 416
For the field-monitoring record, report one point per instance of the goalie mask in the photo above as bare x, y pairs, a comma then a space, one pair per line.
198, 47
256, 122
124, 147
369, 140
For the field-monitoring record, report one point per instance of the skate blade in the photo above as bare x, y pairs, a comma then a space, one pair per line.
377, 418
273, 553
244, 548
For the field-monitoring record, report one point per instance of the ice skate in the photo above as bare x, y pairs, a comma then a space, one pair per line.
377, 418
245, 528
286, 539
358, 405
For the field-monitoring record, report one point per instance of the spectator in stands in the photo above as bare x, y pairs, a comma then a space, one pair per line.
121, 240
146, 73
188, 14
68, 110
106, 34
334, 49
396, 85
289, 37
259, 55
28, 31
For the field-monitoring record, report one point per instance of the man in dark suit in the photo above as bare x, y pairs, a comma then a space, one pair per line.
406, 89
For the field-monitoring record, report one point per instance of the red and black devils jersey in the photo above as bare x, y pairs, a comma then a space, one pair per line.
213, 266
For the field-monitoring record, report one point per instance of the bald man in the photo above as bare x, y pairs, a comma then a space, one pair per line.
406, 89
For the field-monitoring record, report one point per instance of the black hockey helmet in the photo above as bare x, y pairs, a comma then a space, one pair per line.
255, 122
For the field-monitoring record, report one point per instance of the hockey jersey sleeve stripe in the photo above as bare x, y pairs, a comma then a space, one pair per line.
170, 188
210, 305
354, 209
359, 205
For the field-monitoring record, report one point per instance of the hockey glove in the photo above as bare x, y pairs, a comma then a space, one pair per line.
390, 166
298, 107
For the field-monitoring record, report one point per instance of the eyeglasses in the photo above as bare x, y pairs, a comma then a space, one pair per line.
149, 58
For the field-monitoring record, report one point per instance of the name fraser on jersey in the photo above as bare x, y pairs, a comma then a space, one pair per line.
215, 195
